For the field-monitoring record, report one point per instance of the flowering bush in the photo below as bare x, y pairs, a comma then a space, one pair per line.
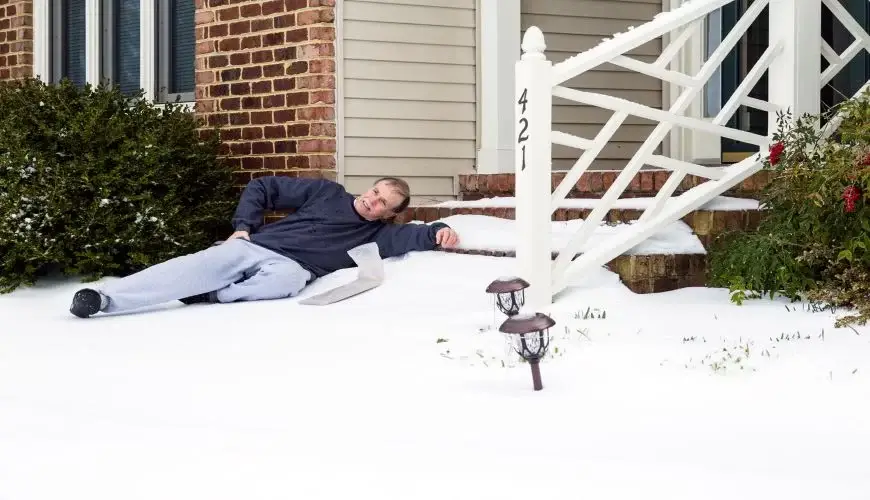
93, 182
813, 242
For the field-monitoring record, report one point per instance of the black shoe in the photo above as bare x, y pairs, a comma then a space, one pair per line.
202, 298
86, 302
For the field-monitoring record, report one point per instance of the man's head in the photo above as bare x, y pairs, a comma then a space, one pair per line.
387, 198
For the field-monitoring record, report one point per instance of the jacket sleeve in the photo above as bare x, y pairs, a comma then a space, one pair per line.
272, 193
397, 239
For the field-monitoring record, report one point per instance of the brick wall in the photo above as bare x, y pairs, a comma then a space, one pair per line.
16, 39
265, 71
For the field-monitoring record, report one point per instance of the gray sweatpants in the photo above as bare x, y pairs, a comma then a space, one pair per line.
235, 270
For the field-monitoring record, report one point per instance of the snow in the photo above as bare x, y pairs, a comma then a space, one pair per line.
483, 232
720, 203
409, 392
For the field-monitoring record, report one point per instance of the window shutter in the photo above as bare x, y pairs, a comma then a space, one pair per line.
74, 41
127, 45
182, 46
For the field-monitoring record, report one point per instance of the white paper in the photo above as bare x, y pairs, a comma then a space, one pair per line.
370, 275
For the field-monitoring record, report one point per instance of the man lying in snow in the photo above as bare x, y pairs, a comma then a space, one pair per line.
276, 261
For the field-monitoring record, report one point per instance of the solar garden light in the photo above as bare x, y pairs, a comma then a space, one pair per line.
530, 337
509, 294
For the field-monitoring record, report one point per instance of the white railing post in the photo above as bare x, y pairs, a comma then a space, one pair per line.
794, 76
533, 125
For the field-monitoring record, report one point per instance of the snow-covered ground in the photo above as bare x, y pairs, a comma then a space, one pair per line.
406, 392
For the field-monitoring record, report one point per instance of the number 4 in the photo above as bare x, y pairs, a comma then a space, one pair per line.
523, 100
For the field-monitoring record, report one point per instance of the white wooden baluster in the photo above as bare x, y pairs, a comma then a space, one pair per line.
794, 76
533, 112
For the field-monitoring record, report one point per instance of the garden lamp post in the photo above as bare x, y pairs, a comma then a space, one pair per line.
530, 339
509, 294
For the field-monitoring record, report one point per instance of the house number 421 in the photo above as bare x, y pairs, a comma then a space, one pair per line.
524, 123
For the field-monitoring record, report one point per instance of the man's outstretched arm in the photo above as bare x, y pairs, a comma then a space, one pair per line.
398, 239
272, 193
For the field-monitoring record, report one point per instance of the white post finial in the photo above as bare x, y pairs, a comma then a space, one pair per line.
533, 44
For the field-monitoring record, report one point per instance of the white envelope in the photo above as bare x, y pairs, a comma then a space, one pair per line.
370, 275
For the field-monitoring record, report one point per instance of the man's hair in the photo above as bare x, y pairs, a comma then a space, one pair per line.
402, 188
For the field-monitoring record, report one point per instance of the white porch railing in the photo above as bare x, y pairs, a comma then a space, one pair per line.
792, 61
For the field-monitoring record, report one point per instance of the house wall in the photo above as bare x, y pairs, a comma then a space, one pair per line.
16, 39
572, 26
409, 85
265, 72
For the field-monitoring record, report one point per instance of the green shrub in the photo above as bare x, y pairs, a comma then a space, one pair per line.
813, 242
95, 183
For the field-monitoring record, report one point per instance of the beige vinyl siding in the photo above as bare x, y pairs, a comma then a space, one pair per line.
572, 26
409, 85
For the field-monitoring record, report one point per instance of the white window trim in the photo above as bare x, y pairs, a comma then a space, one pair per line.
499, 49
687, 144
147, 45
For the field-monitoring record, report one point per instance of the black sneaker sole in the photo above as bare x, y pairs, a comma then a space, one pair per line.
86, 303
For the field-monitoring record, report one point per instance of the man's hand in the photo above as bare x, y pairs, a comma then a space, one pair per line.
240, 234
446, 237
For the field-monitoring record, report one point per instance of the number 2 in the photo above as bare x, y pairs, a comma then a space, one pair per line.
523, 138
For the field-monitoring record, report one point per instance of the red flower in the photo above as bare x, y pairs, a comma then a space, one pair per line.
851, 194
865, 161
776, 152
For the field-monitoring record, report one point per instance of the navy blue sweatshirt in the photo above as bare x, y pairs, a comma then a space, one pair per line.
324, 226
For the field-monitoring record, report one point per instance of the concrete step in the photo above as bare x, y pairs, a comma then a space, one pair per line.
723, 214
593, 184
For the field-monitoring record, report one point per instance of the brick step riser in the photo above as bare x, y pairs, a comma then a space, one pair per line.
595, 184
706, 224
643, 273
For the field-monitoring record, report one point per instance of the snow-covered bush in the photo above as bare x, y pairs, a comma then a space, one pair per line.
93, 182
814, 240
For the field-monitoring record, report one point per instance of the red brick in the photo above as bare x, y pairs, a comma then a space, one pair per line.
322, 162
273, 101
240, 28
252, 103
323, 129
240, 58
262, 87
315, 82
218, 31
283, 147
285, 115
250, 42
218, 61
316, 50
243, 88
284, 84
204, 77
298, 130
250, 133
275, 132
273, 70
261, 117
219, 90
275, 162
259, 25
321, 33
252, 72
322, 66
297, 35
273, 7
262, 56
285, 21
273, 39
297, 98
322, 97
233, 103
240, 148
292, 5
229, 75
252, 163
314, 16
262, 147
229, 44
228, 14
240, 119
298, 67
250, 10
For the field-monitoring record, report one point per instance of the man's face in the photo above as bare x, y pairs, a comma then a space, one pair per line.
378, 202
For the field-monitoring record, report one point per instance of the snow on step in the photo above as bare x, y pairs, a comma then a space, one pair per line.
483, 232
720, 203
